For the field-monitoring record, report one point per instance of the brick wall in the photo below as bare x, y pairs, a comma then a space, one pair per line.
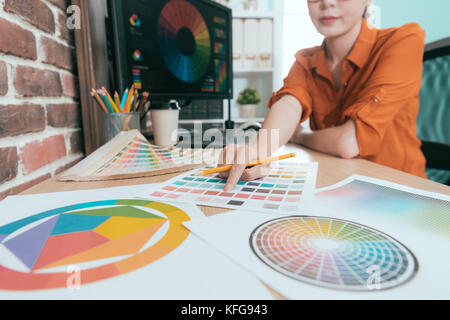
40, 120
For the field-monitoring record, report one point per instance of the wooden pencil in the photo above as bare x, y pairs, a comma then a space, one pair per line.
117, 100
144, 99
105, 100
108, 96
136, 94
130, 96
99, 101
124, 99
250, 164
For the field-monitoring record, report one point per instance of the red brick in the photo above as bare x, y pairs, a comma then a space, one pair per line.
17, 41
76, 142
64, 32
24, 186
9, 163
35, 12
21, 119
57, 54
64, 115
70, 85
60, 3
31, 82
39, 153
3, 79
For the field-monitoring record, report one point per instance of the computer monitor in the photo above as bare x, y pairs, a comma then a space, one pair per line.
175, 49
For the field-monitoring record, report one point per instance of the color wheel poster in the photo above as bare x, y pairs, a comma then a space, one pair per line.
342, 254
104, 244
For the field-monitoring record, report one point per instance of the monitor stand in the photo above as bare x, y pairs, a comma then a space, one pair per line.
229, 124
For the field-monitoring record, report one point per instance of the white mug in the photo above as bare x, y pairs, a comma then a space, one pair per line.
165, 123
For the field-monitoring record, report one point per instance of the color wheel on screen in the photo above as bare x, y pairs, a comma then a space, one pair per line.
104, 239
184, 40
333, 253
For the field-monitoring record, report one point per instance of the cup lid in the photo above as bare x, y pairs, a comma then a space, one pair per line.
171, 105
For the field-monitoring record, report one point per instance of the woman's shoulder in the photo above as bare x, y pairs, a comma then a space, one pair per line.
302, 56
410, 32
307, 52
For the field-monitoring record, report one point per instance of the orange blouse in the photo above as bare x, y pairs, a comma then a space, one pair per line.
381, 80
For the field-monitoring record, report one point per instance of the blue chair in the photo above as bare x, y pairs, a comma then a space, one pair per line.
433, 121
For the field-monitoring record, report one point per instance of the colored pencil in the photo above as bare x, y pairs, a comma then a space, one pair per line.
105, 100
111, 101
127, 101
117, 100
124, 99
99, 101
130, 98
250, 164
136, 96
144, 99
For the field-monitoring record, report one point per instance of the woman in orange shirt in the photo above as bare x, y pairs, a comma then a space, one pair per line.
360, 90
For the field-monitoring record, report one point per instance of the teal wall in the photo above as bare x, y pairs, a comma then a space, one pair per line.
432, 15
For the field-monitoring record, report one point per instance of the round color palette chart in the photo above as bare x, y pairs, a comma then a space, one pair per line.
135, 21
128, 234
333, 253
184, 40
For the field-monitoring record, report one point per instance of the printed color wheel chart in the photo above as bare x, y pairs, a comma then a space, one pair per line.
333, 253
129, 234
184, 40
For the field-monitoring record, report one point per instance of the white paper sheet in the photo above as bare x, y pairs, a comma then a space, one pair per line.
426, 244
191, 271
378, 200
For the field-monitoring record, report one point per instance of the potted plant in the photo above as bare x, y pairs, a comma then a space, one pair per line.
248, 99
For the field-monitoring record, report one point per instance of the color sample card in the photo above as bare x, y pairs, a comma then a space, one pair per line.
130, 155
288, 187
326, 256
138, 155
332, 253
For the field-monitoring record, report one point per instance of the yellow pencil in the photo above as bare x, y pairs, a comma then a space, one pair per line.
250, 164
130, 96
110, 100
117, 100
99, 101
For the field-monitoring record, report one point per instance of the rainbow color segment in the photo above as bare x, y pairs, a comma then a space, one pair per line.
137, 55
221, 75
84, 234
140, 156
135, 21
333, 253
181, 16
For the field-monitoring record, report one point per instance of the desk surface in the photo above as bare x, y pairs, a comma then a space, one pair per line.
331, 170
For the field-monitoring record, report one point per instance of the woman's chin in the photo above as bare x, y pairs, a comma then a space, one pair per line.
330, 33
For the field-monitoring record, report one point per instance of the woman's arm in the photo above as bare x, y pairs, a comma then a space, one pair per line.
339, 141
277, 129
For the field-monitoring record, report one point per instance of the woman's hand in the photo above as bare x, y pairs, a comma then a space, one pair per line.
239, 156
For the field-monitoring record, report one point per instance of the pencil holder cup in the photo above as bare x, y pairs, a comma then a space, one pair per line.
117, 122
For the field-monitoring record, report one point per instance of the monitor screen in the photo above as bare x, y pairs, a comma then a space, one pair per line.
175, 49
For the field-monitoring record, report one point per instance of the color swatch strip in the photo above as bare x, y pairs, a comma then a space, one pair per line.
285, 188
